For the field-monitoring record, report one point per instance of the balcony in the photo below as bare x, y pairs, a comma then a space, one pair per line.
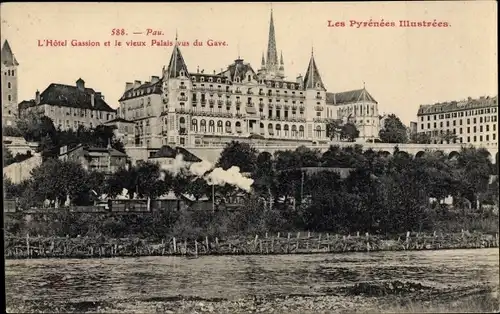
220, 102
182, 98
182, 111
211, 101
250, 92
238, 102
319, 97
182, 131
250, 104
239, 115
203, 102
182, 87
237, 92
228, 102
319, 108
263, 116
261, 93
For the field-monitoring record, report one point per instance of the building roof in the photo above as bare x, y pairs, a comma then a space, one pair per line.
118, 120
146, 88
239, 69
312, 78
88, 150
176, 64
8, 58
347, 97
69, 96
167, 151
481, 102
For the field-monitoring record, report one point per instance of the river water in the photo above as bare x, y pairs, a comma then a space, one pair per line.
126, 280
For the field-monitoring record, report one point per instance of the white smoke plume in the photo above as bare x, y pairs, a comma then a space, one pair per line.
205, 170
199, 169
231, 176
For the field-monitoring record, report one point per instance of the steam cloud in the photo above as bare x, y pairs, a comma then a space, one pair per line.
205, 170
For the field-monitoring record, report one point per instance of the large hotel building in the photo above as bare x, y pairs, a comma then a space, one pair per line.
186, 108
470, 121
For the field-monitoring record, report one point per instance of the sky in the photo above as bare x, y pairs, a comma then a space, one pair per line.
402, 68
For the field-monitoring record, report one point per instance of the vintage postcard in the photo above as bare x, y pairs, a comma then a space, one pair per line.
335, 157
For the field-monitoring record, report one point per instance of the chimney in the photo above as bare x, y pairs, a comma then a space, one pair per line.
146, 82
137, 84
128, 86
154, 79
92, 100
37, 97
98, 95
80, 84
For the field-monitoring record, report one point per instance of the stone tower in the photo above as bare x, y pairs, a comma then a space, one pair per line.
9, 85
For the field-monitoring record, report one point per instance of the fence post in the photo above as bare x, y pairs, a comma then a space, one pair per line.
288, 244
319, 242
175, 246
298, 236
206, 243
28, 253
195, 248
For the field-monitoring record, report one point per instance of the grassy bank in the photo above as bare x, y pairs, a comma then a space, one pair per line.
67, 234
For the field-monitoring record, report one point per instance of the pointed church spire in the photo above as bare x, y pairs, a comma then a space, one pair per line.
263, 62
281, 58
8, 58
272, 54
177, 63
312, 78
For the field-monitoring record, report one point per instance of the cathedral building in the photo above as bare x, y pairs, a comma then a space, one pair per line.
9, 85
193, 108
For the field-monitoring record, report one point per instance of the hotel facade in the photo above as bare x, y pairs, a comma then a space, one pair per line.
470, 121
184, 108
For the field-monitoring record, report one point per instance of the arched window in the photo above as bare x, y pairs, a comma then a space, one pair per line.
228, 127
211, 126
270, 129
294, 131
9, 85
182, 120
219, 126
194, 125
301, 131
318, 131
278, 129
203, 126
285, 128
238, 126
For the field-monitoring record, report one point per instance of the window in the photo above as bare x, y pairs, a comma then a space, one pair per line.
9, 97
9, 85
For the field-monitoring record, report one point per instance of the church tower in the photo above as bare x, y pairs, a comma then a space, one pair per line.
315, 101
9, 85
177, 87
272, 68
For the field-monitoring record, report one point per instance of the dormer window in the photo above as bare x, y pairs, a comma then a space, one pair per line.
237, 80
181, 73
249, 78
193, 79
210, 80
218, 80
202, 79
318, 85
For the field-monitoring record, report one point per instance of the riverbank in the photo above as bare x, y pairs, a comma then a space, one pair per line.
407, 298
259, 244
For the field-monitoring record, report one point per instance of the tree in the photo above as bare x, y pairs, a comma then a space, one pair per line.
394, 131
55, 180
242, 155
123, 178
48, 148
333, 129
11, 131
421, 138
34, 127
349, 131
7, 156
148, 180
448, 137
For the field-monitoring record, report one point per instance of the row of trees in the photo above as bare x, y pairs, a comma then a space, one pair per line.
381, 193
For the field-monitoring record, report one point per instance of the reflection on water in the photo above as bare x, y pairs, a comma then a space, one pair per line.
232, 277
